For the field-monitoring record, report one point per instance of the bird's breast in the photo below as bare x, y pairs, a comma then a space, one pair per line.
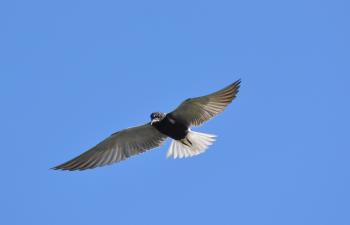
172, 128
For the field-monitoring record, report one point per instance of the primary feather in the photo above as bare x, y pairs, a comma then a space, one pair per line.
117, 147
196, 111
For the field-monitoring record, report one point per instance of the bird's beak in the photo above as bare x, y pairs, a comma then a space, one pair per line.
154, 120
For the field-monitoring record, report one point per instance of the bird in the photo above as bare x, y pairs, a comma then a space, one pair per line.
176, 125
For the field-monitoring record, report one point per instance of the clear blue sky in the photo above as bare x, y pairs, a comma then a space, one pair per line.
74, 72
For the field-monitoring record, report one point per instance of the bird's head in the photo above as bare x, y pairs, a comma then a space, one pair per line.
157, 117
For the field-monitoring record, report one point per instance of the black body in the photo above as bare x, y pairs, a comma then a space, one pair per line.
172, 128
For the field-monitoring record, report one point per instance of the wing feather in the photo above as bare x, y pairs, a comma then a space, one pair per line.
117, 147
196, 111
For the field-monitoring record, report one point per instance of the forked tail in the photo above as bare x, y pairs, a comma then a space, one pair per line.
193, 144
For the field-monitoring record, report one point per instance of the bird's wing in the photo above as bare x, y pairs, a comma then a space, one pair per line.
196, 111
117, 147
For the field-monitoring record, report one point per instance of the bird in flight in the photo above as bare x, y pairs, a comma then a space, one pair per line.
136, 140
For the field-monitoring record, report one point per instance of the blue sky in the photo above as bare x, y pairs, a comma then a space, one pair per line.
74, 72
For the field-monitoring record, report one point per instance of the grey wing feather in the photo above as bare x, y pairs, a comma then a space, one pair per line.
196, 111
117, 147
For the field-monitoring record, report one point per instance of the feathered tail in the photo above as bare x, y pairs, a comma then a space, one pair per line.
193, 144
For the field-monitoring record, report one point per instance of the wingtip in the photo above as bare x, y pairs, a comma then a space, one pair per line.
55, 168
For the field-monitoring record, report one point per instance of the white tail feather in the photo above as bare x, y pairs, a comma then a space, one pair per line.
196, 144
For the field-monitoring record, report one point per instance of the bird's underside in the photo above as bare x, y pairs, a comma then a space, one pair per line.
136, 140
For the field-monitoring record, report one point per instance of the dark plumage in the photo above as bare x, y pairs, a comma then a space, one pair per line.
136, 140
170, 127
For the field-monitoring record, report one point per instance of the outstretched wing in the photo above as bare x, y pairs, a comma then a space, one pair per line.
196, 111
117, 147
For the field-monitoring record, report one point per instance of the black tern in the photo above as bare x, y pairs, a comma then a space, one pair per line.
136, 140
